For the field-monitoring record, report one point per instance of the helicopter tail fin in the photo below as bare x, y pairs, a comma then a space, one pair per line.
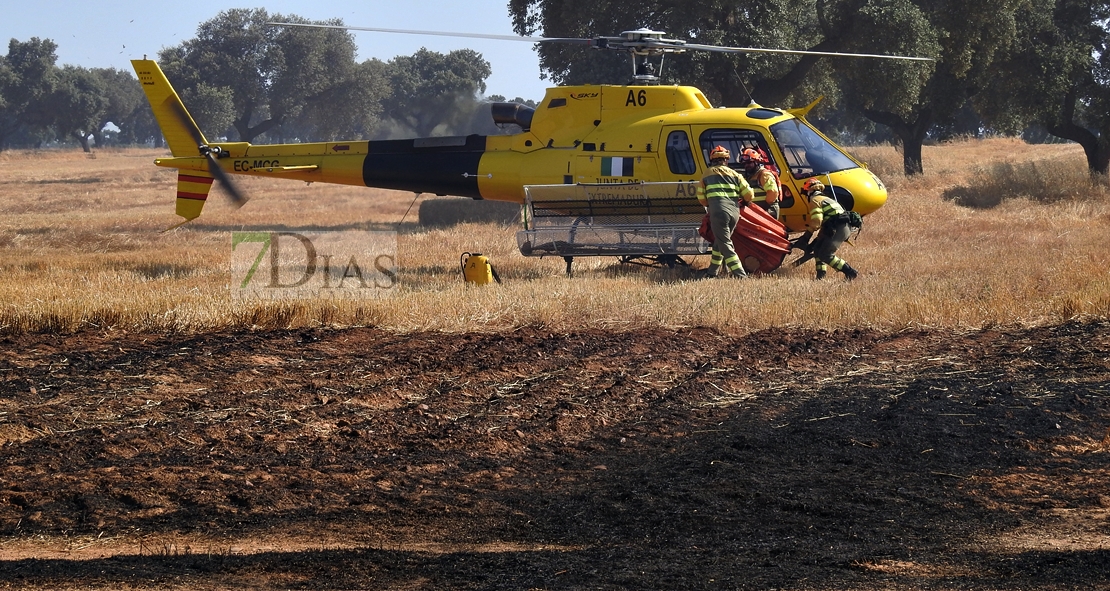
182, 133
192, 191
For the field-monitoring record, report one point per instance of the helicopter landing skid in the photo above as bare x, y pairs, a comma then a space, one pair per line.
669, 261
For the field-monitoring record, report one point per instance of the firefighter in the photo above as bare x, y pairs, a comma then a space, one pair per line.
765, 177
722, 192
828, 216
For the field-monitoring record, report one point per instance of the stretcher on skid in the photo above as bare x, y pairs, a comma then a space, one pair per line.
644, 223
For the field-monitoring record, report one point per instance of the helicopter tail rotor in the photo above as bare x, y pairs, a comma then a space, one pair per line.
211, 153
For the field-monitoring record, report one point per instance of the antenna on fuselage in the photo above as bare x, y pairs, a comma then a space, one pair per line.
751, 99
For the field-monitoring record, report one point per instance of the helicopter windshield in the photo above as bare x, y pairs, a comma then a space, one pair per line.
807, 153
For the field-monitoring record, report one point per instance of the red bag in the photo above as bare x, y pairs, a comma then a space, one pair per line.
705, 231
760, 240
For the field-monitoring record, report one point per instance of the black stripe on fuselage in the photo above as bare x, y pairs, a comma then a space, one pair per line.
439, 165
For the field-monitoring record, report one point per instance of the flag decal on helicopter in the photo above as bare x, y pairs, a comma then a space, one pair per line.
616, 166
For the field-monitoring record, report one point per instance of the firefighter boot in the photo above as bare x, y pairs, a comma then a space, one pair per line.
710, 272
820, 273
849, 272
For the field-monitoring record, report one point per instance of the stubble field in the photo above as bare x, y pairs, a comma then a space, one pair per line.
940, 423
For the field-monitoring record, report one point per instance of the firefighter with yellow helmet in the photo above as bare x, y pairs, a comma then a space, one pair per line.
722, 192
764, 177
828, 216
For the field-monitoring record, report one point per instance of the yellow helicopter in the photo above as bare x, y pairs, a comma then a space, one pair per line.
588, 135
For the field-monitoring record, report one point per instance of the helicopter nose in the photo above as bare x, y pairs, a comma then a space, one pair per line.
874, 194
860, 190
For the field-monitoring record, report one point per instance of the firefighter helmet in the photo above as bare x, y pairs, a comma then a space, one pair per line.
719, 152
751, 155
811, 186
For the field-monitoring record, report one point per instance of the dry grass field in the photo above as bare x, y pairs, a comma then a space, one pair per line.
942, 422
82, 248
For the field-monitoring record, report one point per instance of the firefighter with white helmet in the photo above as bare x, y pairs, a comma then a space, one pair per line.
828, 216
722, 192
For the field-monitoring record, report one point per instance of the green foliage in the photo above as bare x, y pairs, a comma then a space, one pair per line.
273, 75
78, 104
1057, 74
27, 79
139, 126
212, 107
39, 100
350, 109
428, 86
911, 98
124, 97
1004, 64
889, 26
230, 51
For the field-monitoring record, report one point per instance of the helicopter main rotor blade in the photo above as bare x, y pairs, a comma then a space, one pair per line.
443, 34
642, 40
722, 49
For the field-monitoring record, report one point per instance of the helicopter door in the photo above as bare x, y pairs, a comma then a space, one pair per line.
737, 140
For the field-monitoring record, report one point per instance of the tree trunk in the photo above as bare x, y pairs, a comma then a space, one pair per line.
248, 133
911, 157
83, 139
1096, 150
912, 135
1102, 159
6, 131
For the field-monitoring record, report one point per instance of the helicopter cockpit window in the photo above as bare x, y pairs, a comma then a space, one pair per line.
679, 155
807, 153
735, 140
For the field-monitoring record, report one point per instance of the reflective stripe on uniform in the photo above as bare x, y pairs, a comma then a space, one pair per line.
724, 183
824, 207
769, 182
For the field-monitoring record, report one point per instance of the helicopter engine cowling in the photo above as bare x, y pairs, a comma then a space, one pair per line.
512, 113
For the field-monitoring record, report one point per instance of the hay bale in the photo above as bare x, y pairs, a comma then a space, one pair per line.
442, 213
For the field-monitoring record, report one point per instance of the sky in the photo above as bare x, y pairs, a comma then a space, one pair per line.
110, 34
